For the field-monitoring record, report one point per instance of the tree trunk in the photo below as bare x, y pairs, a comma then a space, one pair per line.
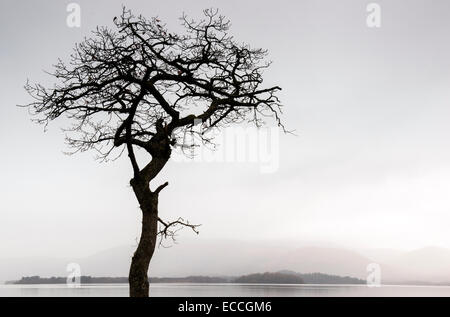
159, 148
138, 276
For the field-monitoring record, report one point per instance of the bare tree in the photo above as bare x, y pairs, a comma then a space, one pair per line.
141, 87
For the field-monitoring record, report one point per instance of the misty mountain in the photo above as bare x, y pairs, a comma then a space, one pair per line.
431, 264
235, 258
322, 259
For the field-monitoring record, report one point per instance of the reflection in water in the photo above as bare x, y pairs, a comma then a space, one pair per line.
219, 290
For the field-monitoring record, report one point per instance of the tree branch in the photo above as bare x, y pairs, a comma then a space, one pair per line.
170, 229
161, 187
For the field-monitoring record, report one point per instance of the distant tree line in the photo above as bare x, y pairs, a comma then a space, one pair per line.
62, 280
283, 277
320, 278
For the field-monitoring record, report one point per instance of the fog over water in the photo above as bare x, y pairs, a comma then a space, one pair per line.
369, 167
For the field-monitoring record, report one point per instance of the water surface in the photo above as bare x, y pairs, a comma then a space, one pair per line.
224, 290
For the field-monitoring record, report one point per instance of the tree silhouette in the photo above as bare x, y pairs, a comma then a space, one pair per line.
141, 87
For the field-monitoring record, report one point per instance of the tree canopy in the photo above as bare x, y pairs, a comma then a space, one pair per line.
138, 82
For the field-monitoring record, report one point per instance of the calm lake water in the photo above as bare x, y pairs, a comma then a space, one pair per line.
224, 290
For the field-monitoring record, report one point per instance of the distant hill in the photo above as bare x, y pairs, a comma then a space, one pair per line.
270, 278
332, 261
321, 278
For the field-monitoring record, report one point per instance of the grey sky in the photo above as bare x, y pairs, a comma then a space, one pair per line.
369, 166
